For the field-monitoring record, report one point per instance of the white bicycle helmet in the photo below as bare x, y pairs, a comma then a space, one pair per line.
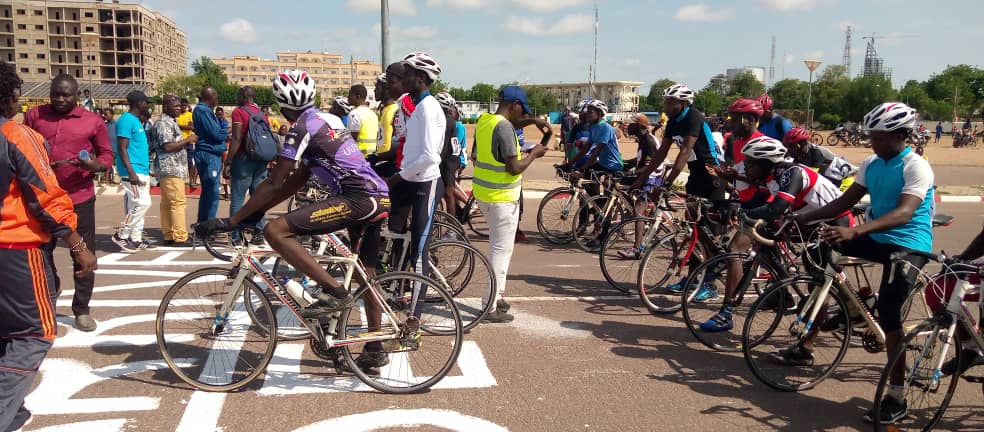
343, 103
890, 116
582, 105
679, 92
294, 89
423, 62
765, 148
381, 78
598, 105
446, 100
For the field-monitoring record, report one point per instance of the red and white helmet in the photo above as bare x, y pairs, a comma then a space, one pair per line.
679, 92
795, 135
746, 106
423, 62
890, 116
294, 89
766, 101
343, 103
765, 148
446, 100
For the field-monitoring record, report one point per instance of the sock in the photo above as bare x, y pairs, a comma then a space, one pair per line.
896, 392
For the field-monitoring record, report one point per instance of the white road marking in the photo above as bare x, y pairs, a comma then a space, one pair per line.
88, 426
62, 378
392, 418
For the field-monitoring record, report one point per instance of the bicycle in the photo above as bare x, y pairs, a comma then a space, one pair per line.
670, 256
596, 214
825, 319
937, 344
224, 314
637, 235
553, 216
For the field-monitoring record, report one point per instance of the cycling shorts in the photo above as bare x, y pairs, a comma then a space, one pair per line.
340, 212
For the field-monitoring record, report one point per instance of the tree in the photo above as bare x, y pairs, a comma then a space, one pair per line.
789, 94
183, 86
967, 82
709, 102
541, 101
654, 100
914, 94
210, 73
744, 85
483, 92
438, 86
864, 93
719, 84
829, 91
834, 72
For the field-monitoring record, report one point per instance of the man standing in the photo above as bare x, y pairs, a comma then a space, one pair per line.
274, 124
185, 122
772, 125
109, 119
939, 132
566, 125
133, 164
387, 110
33, 210
363, 122
87, 103
71, 130
208, 151
246, 173
172, 168
499, 167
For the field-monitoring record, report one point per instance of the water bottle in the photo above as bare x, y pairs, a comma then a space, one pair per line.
84, 155
869, 298
297, 291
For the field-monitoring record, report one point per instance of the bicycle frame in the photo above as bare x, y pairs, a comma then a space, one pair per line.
816, 300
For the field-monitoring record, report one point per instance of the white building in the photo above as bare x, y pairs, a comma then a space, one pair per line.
621, 96
757, 71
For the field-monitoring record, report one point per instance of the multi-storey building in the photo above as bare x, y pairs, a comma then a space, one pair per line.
620, 96
331, 73
97, 42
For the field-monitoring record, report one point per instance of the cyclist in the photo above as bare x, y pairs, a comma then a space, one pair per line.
317, 144
786, 186
579, 136
386, 162
648, 175
900, 184
417, 187
835, 168
451, 156
602, 154
340, 107
773, 125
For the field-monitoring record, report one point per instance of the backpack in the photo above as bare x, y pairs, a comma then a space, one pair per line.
260, 143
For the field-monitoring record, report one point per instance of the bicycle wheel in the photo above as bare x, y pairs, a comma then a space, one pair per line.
214, 358
289, 325
467, 275
832, 140
816, 139
661, 267
920, 351
418, 357
449, 220
476, 219
711, 274
445, 231
773, 325
591, 225
618, 264
553, 217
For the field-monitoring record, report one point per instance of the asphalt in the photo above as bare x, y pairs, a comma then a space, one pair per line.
579, 356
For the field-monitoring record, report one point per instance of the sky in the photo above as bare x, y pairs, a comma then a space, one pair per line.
541, 41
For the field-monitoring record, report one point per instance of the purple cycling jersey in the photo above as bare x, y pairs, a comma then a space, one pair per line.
321, 142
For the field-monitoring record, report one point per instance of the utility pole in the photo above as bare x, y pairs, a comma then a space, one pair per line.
384, 24
594, 69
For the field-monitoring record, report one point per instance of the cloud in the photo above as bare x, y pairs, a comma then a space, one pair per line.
566, 25
787, 6
416, 33
458, 5
238, 30
397, 7
701, 13
813, 55
532, 5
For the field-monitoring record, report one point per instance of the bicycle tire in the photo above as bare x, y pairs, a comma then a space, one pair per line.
192, 370
760, 341
469, 276
555, 228
916, 377
399, 376
589, 213
694, 313
659, 265
623, 273
477, 222
445, 231
833, 140
448, 219
816, 139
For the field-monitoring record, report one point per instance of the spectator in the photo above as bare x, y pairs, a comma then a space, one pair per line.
208, 151
31, 219
172, 168
771, 124
363, 122
567, 121
185, 122
133, 164
274, 124
70, 130
939, 132
87, 103
109, 119
246, 174
967, 125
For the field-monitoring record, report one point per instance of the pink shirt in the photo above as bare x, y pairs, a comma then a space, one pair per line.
66, 136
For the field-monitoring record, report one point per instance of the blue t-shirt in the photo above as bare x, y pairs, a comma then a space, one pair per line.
603, 134
886, 181
129, 126
460, 132
769, 129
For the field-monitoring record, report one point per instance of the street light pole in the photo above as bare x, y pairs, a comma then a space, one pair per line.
811, 65
384, 23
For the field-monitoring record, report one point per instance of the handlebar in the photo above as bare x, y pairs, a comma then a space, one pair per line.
211, 249
753, 232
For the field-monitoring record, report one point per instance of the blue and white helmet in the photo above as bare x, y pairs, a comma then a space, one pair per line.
890, 116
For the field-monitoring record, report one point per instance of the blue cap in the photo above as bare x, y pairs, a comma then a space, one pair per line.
515, 94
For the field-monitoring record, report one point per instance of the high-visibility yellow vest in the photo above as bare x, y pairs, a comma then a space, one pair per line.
491, 182
368, 129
